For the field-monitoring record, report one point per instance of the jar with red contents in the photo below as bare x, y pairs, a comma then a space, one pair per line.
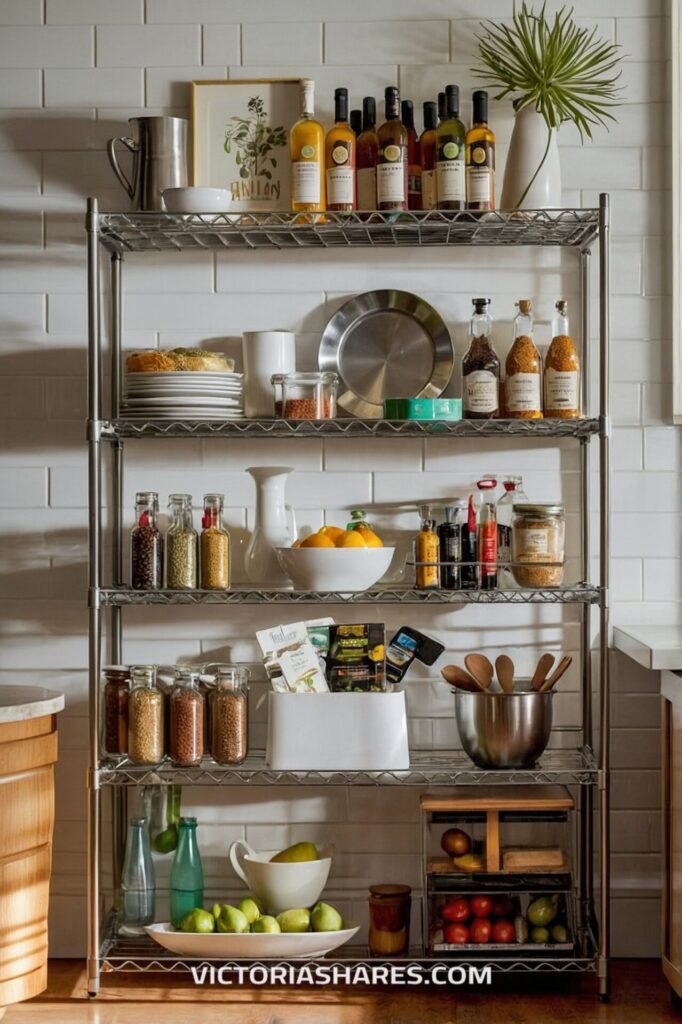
389, 919
305, 396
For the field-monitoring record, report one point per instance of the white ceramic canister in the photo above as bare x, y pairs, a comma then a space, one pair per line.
265, 353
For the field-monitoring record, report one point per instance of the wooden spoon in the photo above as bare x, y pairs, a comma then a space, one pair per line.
456, 676
544, 665
504, 667
481, 669
556, 674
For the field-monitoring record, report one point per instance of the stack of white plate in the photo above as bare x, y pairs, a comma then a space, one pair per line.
179, 394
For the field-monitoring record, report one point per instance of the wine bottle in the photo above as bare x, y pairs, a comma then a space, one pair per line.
414, 169
392, 156
339, 157
451, 184
306, 148
427, 156
368, 147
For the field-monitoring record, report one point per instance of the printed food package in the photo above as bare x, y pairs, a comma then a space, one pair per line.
356, 658
292, 660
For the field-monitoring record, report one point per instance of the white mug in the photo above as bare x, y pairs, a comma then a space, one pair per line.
265, 353
281, 886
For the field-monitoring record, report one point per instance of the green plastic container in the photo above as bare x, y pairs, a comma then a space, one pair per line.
423, 408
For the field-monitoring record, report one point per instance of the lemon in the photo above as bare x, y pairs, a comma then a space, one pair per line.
317, 540
370, 538
296, 853
333, 532
350, 539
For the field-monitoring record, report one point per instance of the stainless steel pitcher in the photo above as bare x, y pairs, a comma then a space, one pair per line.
159, 148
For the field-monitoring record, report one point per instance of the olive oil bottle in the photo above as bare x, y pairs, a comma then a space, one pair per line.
450, 176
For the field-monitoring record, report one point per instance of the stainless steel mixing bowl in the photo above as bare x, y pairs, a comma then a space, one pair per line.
504, 730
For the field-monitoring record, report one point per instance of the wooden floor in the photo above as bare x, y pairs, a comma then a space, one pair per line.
640, 996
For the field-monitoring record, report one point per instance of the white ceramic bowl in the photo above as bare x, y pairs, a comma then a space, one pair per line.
339, 569
252, 946
197, 200
281, 886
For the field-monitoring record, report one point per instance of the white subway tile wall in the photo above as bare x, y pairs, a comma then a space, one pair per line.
72, 72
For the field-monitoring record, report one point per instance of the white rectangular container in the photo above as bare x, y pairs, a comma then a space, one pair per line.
337, 731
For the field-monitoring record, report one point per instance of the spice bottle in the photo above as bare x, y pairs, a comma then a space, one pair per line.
186, 720
146, 544
215, 545
469, 571
513, 492
450, 550
182, 545
230, 714
487, 535
427, 552
523, 369
145, 717
480, 367
562, 370
116, 693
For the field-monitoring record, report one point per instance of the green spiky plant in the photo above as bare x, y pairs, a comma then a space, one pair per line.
565, 72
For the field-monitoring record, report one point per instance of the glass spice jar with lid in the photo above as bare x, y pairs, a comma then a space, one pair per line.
116, 693
146, 544
230, 714
481, 368
523, 370
305, 396
145, 717
215, 545
182, 545
186, 742
538, 536
389, 919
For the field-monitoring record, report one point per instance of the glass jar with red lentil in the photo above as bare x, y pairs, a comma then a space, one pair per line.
305, 396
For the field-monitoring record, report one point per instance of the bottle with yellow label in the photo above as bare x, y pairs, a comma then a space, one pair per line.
480, 157
339, 157
306, 147
427, 552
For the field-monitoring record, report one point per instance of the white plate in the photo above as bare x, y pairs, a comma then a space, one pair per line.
194, 400
183, 374
180, 392
184, 414
216, 946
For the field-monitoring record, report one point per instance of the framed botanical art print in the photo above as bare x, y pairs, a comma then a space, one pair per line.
241, 139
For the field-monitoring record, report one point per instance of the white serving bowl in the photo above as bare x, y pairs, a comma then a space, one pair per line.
339, 569
282, 885
197, 200
251, 946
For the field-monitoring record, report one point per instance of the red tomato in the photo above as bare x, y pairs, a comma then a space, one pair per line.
481, 906
457, 934
503, 906
455, 910
504, 931
480, 930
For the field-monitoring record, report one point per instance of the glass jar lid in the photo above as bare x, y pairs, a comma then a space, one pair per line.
179, 499
390, 891
143, 675
527, 509
147, 498
325, 377
231, 675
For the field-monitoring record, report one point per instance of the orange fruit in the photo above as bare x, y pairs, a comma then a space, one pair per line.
370, 538
317, 540
333, 532
350, 539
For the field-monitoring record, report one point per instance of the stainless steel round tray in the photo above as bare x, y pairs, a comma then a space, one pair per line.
386, 344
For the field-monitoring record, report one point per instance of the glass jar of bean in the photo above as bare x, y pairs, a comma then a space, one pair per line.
182, 545
305, 396
146, 544
145, 717
186, 720
116, 693
230, 714
215, 545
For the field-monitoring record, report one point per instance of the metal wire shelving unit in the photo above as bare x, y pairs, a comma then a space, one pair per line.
578, 765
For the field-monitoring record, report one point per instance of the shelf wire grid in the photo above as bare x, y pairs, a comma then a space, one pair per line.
143, 232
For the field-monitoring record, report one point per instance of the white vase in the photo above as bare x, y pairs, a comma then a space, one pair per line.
265, 353
271, 528
532, 173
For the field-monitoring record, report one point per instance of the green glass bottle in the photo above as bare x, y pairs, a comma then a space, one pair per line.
187, 873
450, 155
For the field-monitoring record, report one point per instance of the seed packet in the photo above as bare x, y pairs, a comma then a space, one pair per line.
356, 658
291, 660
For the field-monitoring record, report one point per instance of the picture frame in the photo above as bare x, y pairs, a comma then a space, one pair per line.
240, 139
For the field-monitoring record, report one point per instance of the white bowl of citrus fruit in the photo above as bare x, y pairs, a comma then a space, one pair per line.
334, 559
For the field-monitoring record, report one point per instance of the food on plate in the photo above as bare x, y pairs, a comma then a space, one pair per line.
232, 920
198, 920
480, 930
250, 908
294, 920
481, 906
503, 906
503, 932
455, 842
456, 933
337, 537
325, 918
539, 935
154, 360
470, 862
265, 925
456, 909
296, 853
542, 911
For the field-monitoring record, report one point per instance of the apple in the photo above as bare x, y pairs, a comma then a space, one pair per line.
455, 842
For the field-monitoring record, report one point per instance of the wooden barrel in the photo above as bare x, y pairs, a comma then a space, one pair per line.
28, 751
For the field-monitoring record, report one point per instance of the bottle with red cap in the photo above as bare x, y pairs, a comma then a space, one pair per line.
487, 534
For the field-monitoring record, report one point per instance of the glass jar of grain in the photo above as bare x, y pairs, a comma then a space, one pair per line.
538, 535
182, 545
523, 370
186, 743
562, 370
145, 717
230, 714
215, 545
116, 693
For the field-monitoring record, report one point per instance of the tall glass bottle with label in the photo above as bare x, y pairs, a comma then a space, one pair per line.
481, 367
339, 157
487, 535
427, 156
450, 177
414, 167
562, 370
392, 156
480, 157
427, 552
306, 148
450, 550
368, 148
523, 369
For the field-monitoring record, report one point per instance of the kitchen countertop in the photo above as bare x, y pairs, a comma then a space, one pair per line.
654, 647
19, 703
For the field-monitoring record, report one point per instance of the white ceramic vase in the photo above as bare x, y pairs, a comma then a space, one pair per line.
271, 528
532, 173
265, 353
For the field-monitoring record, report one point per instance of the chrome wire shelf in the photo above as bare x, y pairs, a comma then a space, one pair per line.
427, 768
348, 427
119, 597
144, 232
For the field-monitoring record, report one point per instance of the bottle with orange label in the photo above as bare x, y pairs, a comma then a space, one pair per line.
339, 157
487, 535
427, 552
